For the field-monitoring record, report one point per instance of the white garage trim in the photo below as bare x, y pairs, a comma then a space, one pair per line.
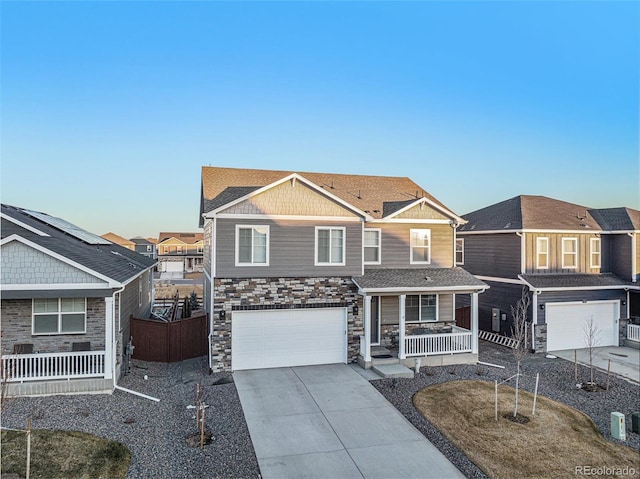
566, 323
288, 337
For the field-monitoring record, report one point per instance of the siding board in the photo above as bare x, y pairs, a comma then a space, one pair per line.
496, 255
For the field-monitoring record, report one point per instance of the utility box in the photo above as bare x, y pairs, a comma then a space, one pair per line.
495, 320
618, 428
635, 422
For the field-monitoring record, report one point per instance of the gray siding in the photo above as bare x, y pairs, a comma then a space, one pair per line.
130, 304
291, 250
207, 238
555, 253
570, 296
396, 240
499, 295
496, 255
619, 255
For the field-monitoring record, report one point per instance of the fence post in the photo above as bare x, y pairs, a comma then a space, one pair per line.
496, 400
28, 447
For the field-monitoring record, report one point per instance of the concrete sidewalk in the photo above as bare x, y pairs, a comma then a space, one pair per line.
329, 422
625, 361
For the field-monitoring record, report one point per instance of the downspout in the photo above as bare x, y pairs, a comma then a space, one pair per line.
634, 264
523, 262
211, 286
114, 355
534, 318
454, 225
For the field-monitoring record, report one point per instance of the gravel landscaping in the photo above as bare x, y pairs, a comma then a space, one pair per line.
156, 432
556, 382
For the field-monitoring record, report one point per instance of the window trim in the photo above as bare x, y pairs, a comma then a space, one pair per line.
378, 247
574, 253
420, 320
411, 231
539, 240
344, 246
237, 247
461, 240
59, 312
593, 241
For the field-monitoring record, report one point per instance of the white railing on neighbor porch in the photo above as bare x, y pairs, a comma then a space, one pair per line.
458, 341
46, 366
633, 332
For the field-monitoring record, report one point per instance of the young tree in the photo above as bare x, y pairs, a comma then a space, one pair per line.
592, 340
519, 314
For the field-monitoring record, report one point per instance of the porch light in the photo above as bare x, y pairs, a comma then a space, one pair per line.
222, 314
541, 305
355, 310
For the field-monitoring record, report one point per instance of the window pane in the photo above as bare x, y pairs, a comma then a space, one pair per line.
72, 323
595, 246
371, 255
244, 245
428, 312
411, 308
259, 245
46, 323
45, 305
420, 254
371, 238
570, 246
420, 238
336, 246
71, 305
323, 246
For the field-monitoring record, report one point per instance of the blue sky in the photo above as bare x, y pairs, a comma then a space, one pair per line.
110, 109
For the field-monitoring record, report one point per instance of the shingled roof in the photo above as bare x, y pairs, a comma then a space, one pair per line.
378, 196
423, 279
542, 213
575, 281
109, 259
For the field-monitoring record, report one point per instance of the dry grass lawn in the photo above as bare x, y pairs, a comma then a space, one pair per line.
63, 454
555, 441
184, 290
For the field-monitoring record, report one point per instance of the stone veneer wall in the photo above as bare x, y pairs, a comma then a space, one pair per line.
541, 338
16, 328
280, 293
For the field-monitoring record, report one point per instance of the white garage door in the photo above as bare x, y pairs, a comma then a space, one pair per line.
173, 266
566, 324
288, 337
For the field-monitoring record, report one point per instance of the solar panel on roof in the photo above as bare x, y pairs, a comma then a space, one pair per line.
68, 228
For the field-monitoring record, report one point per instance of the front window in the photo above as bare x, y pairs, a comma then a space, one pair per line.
420, 246
330, 246
252, 245
459, 251
372, 246
419, 308
542, 253
569, 253
59, 316
595, 252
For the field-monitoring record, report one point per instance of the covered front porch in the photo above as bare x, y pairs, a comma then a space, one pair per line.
409, 317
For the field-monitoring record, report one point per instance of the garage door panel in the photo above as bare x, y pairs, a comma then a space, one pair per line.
567, 323
281, 338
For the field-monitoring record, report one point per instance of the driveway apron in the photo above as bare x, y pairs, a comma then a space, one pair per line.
329, 422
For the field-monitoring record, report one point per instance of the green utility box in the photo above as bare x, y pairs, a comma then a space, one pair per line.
618, 428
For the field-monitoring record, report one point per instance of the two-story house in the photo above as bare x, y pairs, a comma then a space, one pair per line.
119, 240
145, 246
180, 252
576, 264
67, 296
314, 268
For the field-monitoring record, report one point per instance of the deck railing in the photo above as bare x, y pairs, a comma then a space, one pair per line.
458, 341
47, 366
633, 332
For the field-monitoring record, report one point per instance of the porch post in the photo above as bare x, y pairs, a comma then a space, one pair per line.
401, 318
474, 323
108, 338
367, 328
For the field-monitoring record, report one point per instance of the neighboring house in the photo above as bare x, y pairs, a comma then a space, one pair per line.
119, 240
314, 268
576, 263
180, 252
145, 246
67, 296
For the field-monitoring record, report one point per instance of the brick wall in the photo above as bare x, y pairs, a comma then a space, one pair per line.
16, 328
270, 293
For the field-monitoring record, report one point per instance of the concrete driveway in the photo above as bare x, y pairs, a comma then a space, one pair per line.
329, 422
625, 362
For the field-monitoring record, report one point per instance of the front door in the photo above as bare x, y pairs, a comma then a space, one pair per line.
375, 320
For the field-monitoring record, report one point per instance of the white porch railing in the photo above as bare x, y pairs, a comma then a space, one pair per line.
458, 341
633, 332
45, 366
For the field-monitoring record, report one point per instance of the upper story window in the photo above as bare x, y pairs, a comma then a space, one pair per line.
149, 247
595, 252
330, 246
252, 245
459, 251
59, 316
423, 307
372, 246
166, 249
542, 253
179, 249
420, 246
200, 249
569, 253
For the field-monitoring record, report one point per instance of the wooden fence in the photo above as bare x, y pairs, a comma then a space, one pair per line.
172, 341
